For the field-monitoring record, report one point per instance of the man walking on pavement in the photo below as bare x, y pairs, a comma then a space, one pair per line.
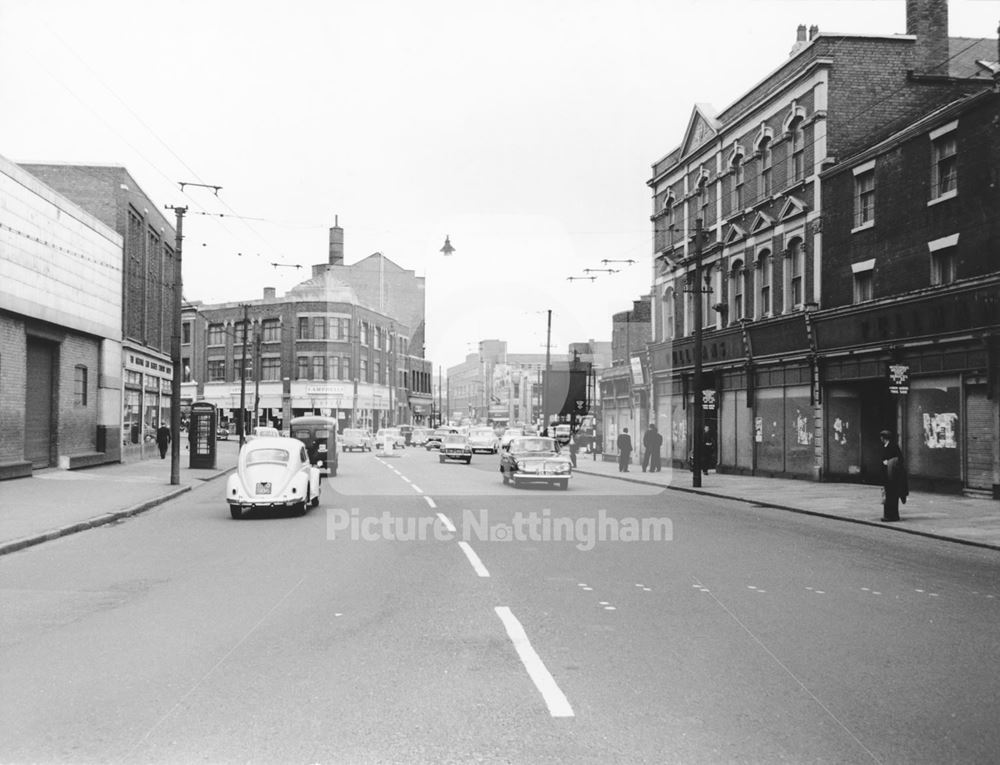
648, 446
654, 465
163, 440
894, 481
624, 450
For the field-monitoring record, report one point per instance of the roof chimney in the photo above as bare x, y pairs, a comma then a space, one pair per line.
336, 244
928, 21
813, 31
269, 293
800, 40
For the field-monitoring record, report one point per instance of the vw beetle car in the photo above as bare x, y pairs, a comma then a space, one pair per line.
535, 458
273, 473
455, 446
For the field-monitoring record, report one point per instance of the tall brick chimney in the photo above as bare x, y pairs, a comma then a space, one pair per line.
928, 21
336, 244
800, 40
269, 293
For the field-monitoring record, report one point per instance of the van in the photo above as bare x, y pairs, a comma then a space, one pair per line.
319, 434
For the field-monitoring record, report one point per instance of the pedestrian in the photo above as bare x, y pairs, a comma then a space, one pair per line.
657, 443
624, 450
163, 440
894, 483
648, 445
573, 448
597, 445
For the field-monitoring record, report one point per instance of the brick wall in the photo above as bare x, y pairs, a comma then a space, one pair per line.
77, 424
13, 386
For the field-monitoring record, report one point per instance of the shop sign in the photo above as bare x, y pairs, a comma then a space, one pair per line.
708, 400
899, 379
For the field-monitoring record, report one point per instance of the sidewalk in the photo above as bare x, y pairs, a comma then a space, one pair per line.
941, 516
53, 502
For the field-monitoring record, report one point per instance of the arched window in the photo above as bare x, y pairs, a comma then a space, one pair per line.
736, 284
763, 271
669, 307
736, 188
798, 146
764, 179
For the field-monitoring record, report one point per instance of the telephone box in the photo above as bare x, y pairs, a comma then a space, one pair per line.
201, 434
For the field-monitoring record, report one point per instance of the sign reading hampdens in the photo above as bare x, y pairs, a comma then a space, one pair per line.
585, 532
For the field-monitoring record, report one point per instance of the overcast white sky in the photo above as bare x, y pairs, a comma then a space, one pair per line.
525, 130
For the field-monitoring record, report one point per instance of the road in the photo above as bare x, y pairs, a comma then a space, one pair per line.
751, 635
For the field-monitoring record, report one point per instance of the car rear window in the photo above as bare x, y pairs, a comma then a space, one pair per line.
258, 456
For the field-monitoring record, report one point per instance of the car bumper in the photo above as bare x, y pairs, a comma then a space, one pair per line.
456, 455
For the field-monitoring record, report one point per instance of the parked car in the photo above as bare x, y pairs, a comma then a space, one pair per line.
273, 473
262, 431
419, 437
356, 439
392, 435
562, 433
484, 440
455, 446
319, 434
434, 439
535, 458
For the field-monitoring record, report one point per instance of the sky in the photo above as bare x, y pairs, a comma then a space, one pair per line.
524, 130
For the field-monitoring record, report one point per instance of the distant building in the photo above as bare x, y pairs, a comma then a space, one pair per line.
60, 330
624, 386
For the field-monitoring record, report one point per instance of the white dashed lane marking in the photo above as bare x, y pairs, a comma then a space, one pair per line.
446, 521
555, 699
477, 564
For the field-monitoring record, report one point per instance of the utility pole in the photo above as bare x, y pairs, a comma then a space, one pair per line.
698, 437
392, 374
256, 378
240, 425
439, 396
548, 373
175, 353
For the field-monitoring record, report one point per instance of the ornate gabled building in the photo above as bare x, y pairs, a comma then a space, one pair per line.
750, 178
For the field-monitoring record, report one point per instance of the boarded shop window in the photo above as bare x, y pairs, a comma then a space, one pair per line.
80, 385
933, 432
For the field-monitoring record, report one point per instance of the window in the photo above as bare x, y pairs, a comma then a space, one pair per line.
186, 369
764, 190
798, 150
764, 283
864, 198
863, 286
216, 370
364, 333
665, 223
379, 375
271, 330
707, 297
302, 368
669, 306
795, 267
239, 369
270, 368
80, 385
736, 200
319, 367
378, 338
240, 332
335, 368
944, 259
737, 278
319, 327
345, 367
363, 370
216, 334
944, 173
186, 333
303, 328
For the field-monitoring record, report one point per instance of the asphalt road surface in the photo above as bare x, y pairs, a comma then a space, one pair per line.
427, 613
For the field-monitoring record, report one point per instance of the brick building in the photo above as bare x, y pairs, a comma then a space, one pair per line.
331, 345
624, 387
750, 176
112, 195
60, 330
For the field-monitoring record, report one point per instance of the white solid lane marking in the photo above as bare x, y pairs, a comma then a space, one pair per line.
430, 502
417, 489
474, 559
404, 478
554, 698
447, 522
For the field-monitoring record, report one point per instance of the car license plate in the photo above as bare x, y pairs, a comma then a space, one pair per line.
322, 447
264, 488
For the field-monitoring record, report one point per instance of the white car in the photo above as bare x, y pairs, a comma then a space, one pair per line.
509, 435
355, 438
273, 473
395, 439
484, 440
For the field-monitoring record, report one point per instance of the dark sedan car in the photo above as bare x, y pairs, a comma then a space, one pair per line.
535, 458
455, 446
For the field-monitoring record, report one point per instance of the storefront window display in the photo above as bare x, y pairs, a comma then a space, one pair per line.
843, 427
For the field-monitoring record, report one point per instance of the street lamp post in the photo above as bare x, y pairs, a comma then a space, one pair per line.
699, 416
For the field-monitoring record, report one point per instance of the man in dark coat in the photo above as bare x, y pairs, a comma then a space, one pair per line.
649, 446
163, 440
654, 466
624, 450
894, 481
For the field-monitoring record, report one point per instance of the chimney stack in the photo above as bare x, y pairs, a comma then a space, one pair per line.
813, 31
269, 293
800, 40
927, 20
336, 244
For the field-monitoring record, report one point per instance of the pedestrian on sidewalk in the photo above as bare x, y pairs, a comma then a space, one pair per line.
574, 447
648, 445
624, 450
163, 440
894, 483
657, 443
597, 446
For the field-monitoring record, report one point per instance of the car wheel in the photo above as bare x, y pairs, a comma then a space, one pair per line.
315, 501
564, 484
235, 511
506, 478
441, 459
468, 461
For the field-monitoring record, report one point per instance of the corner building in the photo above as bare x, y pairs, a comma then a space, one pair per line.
752, 176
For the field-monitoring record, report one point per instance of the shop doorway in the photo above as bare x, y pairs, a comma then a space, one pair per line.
855, 414
979, 438
39, 425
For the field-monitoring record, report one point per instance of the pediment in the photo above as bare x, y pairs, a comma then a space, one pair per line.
734, 234
793, 206
702, 127
760, 221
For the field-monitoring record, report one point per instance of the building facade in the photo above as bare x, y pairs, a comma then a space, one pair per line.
147, 300
624, 386
763, 270
60, 330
